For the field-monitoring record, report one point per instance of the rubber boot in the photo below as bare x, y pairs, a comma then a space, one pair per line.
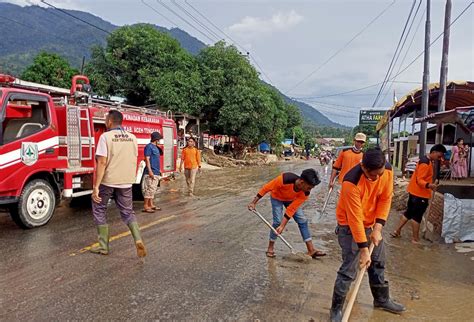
382, 299
335, 315
103, 247
135, 230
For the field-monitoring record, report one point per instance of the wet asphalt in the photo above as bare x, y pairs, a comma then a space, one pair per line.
206, 261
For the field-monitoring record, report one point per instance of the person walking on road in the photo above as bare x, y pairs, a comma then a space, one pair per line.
116, 156
361, 212
347, 159
152, 172
290, 191
419, 192
191, 159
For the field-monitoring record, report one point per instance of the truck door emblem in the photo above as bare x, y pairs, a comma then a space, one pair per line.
29, 153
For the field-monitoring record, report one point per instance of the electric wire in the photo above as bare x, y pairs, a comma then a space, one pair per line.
237, 44
341, 49
406, 67
77, 18
190, 15
160, 14
395, 54
183, 19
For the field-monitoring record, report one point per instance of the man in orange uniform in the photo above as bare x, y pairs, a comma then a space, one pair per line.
191, 159
419, 192
290, 191
361, 212
347, 159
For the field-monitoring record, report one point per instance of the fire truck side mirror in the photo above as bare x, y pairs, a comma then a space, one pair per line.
17, 111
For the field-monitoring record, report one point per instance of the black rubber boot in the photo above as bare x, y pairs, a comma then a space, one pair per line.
382, 299
335, 315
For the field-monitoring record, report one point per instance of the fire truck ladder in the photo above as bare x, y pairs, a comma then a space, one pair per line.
75, 117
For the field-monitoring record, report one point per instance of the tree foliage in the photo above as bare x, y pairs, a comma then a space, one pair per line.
219, 85
50, 69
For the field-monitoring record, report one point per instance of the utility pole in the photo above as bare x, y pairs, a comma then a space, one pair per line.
426, 79
444, 70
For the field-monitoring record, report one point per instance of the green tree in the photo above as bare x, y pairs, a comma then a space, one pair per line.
50, 69
146, 66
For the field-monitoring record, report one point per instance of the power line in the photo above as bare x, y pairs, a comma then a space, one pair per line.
231, 39
406, 67
77, 18
395, 54
408, 50
211, 32
160, 14
180, 17
341, 49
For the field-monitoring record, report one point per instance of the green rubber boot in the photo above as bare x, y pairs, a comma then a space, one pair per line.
103, 247
135, 230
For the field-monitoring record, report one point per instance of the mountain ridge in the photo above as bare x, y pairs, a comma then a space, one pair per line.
31, 29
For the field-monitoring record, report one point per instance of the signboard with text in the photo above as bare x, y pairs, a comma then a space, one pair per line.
370, 117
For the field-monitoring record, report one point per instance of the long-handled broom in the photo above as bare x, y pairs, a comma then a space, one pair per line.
299, 255
352, 298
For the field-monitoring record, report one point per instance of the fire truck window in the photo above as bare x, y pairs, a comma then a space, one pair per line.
18, 128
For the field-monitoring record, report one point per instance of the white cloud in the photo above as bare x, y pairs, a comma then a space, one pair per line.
253, 26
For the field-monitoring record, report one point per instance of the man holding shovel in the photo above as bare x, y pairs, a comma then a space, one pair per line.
420, 188
290, 191
361, 212
347, 159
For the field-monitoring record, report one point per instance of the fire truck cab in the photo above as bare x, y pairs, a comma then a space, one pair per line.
48, 137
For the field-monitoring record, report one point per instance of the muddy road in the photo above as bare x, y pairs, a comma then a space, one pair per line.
206, 261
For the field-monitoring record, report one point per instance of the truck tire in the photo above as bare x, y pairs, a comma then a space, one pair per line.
35, 206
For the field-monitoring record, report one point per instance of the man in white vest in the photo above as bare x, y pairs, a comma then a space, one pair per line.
116, 168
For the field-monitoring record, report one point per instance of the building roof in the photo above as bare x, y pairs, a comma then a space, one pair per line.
464, 116
458, 94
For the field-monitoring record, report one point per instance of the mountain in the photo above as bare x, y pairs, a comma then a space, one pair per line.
312, 115
28, 30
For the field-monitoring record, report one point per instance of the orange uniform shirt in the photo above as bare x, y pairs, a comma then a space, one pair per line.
363, 202
283, 188
347, 159
191, 157
421, 178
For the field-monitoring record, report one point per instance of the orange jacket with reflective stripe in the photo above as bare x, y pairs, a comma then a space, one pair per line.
421, 178
283, 188
346, 160
364, 202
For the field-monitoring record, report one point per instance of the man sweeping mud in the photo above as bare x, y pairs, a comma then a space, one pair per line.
361, 212
290, 191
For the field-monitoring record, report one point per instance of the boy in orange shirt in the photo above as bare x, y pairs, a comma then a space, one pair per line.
290, 191
419, 192
191, 159
347, 159
361, 213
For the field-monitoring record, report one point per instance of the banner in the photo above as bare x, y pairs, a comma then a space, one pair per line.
370, 117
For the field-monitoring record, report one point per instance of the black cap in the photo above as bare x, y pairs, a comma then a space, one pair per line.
156, 136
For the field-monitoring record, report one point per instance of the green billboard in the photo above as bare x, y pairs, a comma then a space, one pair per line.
370, 117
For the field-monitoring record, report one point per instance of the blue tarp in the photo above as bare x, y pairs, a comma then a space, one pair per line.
264, 147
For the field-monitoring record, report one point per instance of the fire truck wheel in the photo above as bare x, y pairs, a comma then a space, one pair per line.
35, 206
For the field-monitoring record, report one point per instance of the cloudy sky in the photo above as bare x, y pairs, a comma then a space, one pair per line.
293, 42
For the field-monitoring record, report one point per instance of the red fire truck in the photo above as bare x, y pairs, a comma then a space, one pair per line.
48, 137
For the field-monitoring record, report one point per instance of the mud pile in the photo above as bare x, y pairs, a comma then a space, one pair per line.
249, 159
